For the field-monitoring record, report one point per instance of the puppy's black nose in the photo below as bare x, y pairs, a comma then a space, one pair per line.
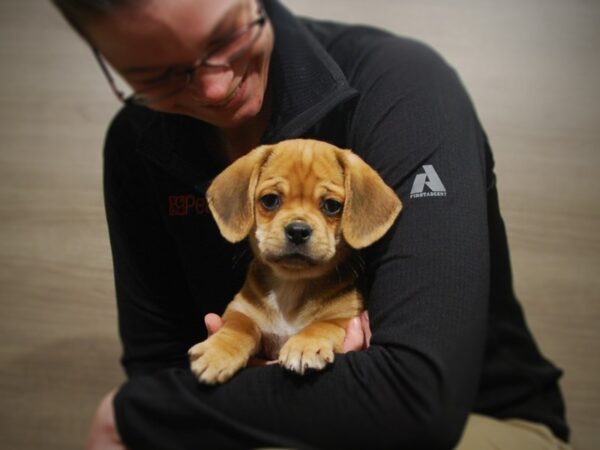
298, 232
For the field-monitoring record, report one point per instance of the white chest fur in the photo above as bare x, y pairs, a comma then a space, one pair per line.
284, 320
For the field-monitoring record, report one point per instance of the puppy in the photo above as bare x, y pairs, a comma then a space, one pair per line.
306, 206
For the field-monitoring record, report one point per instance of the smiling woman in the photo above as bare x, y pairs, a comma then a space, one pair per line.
154, 85
207, 60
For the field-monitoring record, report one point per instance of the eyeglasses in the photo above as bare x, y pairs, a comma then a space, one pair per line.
176, 80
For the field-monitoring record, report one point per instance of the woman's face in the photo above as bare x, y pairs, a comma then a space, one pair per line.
145, 41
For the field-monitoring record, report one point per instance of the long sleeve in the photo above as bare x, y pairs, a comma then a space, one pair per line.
428, 302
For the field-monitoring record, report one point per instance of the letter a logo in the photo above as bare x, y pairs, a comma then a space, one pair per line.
430, 179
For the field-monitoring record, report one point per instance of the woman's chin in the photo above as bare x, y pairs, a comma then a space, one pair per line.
221, 116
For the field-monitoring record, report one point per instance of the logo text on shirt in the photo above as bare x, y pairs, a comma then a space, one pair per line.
188, 204
429, 179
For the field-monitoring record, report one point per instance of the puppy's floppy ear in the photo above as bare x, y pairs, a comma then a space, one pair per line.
371, 206
231, 194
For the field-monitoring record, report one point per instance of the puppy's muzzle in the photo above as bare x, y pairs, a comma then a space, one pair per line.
298, 233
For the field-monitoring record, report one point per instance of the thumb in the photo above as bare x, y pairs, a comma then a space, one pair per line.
355, 338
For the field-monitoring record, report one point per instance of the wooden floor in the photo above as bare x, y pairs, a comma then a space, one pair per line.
533, 70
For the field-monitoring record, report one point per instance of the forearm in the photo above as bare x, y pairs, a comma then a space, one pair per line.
267, 406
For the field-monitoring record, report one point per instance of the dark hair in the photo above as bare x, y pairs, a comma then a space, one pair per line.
80, 12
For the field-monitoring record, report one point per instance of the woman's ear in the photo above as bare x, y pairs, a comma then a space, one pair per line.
230, 196
370, 207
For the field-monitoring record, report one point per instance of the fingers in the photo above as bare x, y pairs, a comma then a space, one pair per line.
366, 328
358, 334
355, 338
213, 322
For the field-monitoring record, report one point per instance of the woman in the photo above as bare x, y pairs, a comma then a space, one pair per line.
450, 354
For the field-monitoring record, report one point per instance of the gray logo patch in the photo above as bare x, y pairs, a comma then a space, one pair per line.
430, 179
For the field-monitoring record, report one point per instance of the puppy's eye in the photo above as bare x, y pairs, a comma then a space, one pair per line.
270, 201
331, 207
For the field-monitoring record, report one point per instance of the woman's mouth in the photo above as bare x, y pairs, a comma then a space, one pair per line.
234, 95
230, 96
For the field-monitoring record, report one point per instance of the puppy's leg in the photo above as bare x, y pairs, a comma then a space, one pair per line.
314, 346
218, 358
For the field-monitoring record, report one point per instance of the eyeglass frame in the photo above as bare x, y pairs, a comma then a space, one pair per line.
189, 72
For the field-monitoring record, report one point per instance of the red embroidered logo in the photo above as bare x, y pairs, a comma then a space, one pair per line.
188, 204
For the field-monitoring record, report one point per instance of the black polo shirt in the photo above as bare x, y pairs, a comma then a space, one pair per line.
449, 336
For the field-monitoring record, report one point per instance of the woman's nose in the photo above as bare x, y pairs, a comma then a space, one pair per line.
213, 86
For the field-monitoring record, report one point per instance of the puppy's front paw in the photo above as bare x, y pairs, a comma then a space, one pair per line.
215, 361
300, 353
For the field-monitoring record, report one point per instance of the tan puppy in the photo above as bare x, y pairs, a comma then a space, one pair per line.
305, 206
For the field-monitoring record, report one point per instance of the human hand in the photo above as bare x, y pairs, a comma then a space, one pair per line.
103, 433
358, 335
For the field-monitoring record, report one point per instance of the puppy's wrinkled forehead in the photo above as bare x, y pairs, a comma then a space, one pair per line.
300, 167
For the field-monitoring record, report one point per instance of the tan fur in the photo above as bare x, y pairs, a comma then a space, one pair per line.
298, 297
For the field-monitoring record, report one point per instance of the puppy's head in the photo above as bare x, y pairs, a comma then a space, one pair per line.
302, 202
